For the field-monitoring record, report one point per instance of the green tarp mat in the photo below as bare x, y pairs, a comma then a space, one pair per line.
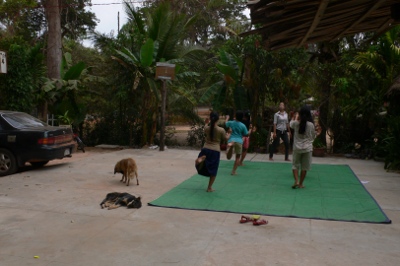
332, 192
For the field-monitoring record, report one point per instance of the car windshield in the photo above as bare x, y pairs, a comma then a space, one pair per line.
22, 120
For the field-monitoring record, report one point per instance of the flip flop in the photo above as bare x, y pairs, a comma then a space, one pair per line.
260, 222
245, 219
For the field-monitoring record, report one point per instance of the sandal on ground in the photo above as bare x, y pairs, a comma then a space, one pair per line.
260, 222
245, 219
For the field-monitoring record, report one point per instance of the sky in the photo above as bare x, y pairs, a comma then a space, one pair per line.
108, 15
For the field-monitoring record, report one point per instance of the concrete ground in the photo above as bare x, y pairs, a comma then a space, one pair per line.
54, 213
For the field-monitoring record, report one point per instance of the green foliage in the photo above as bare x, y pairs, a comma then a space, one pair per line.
65, 119
391, 143
21, 18
196, 136
317, 143
63, 94
258, 139
159, 39
229, 91
20, 87
76, 20
146, 53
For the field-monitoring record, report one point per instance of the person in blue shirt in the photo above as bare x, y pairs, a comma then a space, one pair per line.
238, 131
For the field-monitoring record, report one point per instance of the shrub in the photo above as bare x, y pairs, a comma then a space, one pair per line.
196, 136
391, 144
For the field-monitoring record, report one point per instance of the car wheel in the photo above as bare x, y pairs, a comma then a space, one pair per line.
38, 164
8, 164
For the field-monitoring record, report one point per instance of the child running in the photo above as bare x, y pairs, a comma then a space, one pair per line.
246, 140
235, 141
304, 135
208, 159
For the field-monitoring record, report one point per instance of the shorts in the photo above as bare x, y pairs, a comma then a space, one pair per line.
246, 142
238, 148
301, 160
209, 167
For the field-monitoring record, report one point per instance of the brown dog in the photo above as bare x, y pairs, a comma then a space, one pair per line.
128, 168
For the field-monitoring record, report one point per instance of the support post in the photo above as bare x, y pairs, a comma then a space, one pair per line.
163, 111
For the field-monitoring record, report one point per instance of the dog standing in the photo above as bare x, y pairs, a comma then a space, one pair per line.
115, 199
128, 168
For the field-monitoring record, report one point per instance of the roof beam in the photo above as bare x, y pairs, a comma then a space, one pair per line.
321, 10
360, 19
384, 27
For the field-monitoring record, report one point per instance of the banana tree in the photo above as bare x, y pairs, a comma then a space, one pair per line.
63, 93
228, 91
160, 37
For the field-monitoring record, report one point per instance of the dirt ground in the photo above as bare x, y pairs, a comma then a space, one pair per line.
51, 217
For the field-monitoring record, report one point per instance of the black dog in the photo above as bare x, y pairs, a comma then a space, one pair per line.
115, 199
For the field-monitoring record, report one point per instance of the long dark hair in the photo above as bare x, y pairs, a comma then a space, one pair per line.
305, 116
214, 117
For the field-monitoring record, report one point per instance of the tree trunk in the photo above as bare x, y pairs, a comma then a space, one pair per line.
324, 108
54, 45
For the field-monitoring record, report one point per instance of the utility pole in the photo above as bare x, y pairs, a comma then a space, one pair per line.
118, 23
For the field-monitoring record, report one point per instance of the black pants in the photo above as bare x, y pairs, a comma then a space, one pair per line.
280, 135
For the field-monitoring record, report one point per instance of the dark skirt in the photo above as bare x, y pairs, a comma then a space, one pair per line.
209, 167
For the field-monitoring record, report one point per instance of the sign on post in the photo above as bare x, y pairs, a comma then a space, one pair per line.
3, 62
165, 71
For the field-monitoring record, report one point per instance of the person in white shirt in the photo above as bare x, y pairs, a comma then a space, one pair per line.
281, 131
304, 135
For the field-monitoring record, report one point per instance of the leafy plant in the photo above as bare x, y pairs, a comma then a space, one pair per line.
65, 119
317, 143
19, 88
196, 136
391, 144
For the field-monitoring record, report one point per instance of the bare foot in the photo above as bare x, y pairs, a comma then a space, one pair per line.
200, 159
295, 185
210, 190
233, 173
301, 186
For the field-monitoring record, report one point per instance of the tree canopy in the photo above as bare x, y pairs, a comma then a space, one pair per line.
113, 96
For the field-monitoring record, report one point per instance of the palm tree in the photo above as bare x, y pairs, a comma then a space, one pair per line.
229, 89
158, 37
382, 60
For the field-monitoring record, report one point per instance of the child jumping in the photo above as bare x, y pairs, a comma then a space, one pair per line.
235, 140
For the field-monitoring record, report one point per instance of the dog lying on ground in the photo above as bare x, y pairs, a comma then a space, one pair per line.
128, 168
115, 199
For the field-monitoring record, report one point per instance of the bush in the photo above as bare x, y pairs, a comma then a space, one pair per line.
110, 130
196, 136
258, 139
391, 144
